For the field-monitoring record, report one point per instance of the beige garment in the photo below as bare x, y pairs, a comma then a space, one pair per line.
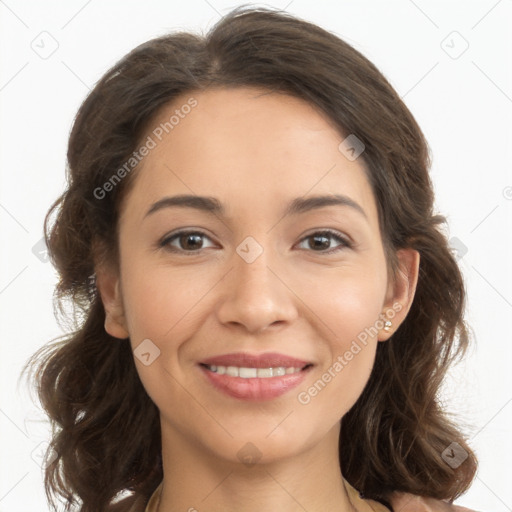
361, 504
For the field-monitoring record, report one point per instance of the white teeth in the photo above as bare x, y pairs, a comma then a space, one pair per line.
247, 373
265, 372
232, 371
251, 373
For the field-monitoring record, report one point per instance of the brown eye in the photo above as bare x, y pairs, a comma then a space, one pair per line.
320, 241
187, 241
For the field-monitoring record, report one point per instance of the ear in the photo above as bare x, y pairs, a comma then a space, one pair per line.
108, 284
401, 290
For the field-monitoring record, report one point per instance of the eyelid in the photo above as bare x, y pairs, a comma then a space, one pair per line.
165, 241
345, 241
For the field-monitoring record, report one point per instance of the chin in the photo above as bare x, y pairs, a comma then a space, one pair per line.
257, 447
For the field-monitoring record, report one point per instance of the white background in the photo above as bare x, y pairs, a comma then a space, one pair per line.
463, 104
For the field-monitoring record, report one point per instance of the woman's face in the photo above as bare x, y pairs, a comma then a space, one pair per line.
257, 283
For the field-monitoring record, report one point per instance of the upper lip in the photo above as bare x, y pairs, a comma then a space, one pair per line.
244, 360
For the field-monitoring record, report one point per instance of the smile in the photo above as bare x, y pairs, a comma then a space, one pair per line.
254, 376
253, 373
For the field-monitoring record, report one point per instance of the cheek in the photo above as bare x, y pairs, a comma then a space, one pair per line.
350, 309
161, 305
349, 306
160, 302
339, 382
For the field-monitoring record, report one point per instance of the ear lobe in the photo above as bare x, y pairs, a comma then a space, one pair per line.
401, 292
108, 284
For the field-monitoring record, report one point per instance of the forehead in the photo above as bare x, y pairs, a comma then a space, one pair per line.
246, 146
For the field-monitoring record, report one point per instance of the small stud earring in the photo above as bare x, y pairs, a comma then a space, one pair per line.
387, 326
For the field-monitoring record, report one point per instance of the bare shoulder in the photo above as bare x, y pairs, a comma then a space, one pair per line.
405, 502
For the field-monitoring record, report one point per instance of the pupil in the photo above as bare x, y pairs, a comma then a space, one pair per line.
193, 239
324, 244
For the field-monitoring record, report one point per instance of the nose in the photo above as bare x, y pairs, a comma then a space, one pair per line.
256, 296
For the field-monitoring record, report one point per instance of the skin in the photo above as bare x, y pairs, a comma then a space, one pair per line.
405, 502
254, 152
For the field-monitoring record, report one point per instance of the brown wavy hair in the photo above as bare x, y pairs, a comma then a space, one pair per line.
105, 428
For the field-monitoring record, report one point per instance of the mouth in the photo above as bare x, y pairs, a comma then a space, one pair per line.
253, 373
255, 377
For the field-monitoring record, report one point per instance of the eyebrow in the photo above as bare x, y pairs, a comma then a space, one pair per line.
213, 206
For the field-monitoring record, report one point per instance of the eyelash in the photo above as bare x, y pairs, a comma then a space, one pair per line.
164, 243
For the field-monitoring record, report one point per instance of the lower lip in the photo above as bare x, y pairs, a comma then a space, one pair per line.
256, 388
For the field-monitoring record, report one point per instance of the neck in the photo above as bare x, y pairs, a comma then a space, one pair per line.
196, 480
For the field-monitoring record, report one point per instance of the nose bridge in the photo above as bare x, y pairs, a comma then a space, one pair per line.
254, 277
255, 296
254, 281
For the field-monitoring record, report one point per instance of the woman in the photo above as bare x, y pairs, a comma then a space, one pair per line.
267, 304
